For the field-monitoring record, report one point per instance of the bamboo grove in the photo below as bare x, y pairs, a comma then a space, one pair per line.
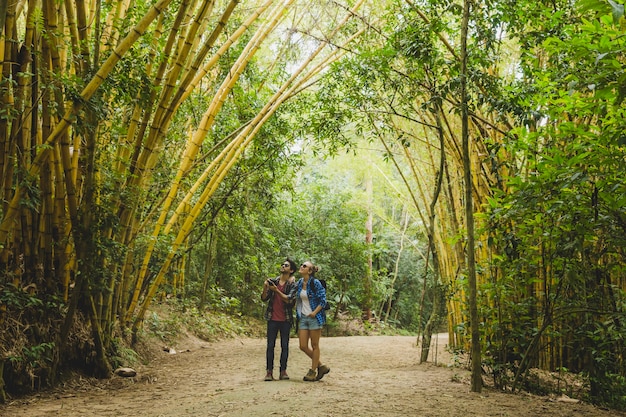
545, 183
504, 114
87, 114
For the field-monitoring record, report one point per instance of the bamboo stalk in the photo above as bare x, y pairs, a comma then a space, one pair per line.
8, 54
7, 222
195, 141
137, 170
238, 145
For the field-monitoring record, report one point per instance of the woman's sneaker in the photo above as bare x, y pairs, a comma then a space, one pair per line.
321, 371
310, 376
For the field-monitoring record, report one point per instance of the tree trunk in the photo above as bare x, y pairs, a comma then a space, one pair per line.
432, 248
396, 266
430, 326
476, 384
102, 367
3, 395
367, 284
208, 265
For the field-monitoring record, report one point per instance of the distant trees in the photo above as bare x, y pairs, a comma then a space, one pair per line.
543, 95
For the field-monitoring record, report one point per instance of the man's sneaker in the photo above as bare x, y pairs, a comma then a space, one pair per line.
310, 376
283, 375
269, 376
321, 371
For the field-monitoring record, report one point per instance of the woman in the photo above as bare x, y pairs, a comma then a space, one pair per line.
310, 301
279, 316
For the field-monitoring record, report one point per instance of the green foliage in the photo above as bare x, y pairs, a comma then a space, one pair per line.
559, 229
213, 326
34, 357
166, 329
171, 321
123, 355
605, 344
218, 300
26, 339
14, 298
27, 302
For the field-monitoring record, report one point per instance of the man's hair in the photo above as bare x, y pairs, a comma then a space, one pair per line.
292, 265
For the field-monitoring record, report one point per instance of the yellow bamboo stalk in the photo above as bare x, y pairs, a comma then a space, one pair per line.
61, 225
46, 241
162, 117
151, 146
201, 73
109, 34
72, 28
124, 151
7, 222
8, 54
83, 28
238, 145
137, 174
195, 142
165, 118
180, 62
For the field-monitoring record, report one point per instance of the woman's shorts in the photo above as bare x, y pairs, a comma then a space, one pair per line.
309, 323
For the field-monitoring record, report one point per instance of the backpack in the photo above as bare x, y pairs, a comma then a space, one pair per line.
323, 282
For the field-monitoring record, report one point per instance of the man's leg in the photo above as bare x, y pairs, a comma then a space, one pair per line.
272, 332
285, 328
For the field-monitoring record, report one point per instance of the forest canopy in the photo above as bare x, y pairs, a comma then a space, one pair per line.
452, 165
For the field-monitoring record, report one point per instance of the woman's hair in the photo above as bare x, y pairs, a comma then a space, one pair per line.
314, 269
292, 265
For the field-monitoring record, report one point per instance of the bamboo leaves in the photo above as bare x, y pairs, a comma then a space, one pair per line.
220, 166
69, 117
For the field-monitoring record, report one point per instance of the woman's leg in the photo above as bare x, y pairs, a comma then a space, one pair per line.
315, 347
303, 337
314, 336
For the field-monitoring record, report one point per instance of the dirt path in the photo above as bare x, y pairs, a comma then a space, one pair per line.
370, 376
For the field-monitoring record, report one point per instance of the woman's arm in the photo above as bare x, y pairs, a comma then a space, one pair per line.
320, 294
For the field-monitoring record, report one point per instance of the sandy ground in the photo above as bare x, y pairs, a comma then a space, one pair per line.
370, 376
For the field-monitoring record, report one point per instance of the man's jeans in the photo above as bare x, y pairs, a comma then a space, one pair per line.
273, 328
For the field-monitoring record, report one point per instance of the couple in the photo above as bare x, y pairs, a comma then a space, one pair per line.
310, 297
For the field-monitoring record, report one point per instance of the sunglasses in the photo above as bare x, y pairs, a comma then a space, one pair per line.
304, 266
285, 265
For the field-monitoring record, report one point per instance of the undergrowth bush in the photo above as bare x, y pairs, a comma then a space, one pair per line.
174, 319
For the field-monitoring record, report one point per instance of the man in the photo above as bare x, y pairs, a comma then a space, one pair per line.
279, 316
